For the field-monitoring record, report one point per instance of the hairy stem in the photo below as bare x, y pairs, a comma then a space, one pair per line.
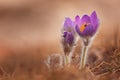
83, 57
68, 58
86, 43
71, 54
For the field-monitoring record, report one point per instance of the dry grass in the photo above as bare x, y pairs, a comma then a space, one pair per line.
29, 67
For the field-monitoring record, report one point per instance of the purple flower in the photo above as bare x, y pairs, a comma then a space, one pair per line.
87, 25
68, 38
69, 26
68, 31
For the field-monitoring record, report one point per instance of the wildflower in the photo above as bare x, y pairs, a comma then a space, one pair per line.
68, 38
68, 42
86, 27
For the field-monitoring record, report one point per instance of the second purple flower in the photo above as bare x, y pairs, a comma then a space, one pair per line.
68, 39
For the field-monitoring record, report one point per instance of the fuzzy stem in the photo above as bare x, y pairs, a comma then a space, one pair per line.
66, 58
86, 43
72, 51
71, 54
83, 57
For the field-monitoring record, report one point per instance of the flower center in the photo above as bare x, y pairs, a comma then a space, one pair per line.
82, 28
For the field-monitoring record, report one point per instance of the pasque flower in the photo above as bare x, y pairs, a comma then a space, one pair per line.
68, 38
86, 27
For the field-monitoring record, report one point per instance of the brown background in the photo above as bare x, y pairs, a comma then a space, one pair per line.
36, 24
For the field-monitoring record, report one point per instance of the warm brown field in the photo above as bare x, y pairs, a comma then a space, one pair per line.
30, 30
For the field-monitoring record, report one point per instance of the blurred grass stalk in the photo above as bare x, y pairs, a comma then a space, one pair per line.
116, 31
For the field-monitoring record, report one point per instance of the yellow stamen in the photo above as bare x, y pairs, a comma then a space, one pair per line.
82, 28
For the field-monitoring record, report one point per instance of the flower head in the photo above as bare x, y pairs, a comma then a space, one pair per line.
69, 26
68, 38
87, 25
68, 32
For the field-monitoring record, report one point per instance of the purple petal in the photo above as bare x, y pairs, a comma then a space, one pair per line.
85, 19
78, 30
89, 31
68, 38
94, 20
69, 25
64, 34
77, 20
68, 22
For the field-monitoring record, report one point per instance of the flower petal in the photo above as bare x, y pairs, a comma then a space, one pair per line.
69, 25
89, 31
77, 20
94, 20
68, 22
78, 30
70, 38
64, 34
85, 19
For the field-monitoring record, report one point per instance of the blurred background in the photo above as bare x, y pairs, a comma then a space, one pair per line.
31, 29
35, 25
